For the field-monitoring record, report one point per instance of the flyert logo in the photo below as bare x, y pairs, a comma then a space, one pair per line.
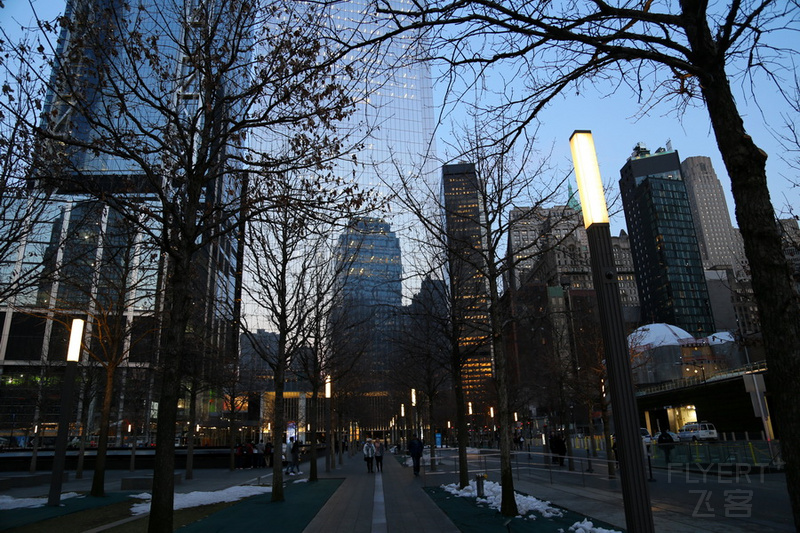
713, 503
723, 473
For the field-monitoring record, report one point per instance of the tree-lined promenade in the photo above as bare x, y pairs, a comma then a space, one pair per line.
214, 143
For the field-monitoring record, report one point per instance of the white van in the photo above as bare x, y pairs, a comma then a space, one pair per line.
698, 431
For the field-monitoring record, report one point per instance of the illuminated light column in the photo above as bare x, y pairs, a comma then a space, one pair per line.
635, 492
328, 424
414, 416
65, 416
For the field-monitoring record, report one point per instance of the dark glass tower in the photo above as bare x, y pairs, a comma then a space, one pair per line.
666, 256
464, 222
120, 114
366, 321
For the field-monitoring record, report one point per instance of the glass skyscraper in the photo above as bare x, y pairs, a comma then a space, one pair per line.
464, 222
366, 320
395, 105
666, 256
120, 114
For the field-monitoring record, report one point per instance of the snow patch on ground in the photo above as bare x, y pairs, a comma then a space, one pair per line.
525, 504
493, 493
8, 502
588, 527
196, 499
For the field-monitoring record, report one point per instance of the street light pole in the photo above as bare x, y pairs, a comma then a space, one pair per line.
635, 491
329, 459
64, 417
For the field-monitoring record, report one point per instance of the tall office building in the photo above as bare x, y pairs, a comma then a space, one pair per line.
669, 267
367, 318
720, 245
371, 272
464, 222
395, 101
98, 264
790, 237
550, 246
556, 242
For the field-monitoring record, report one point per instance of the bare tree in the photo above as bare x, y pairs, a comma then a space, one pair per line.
157, 111
497, 187
676, 54
285, 248
23, 211
108, 249
323, 360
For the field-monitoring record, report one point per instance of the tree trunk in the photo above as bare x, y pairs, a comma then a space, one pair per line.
99, 478
84, 425
233, 431
190, 432
177, 312
433, 433
778, 306
462, 429
312, 473
280, 427
508, 504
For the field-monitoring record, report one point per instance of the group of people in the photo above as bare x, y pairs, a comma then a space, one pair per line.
291, 451
252, 455
374, 450
373, 455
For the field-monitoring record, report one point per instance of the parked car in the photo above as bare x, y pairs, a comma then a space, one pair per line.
646, 438
695, 431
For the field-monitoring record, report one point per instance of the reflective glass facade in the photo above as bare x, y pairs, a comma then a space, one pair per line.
96, 262
669, 268
367, 320
464, 221
395, 103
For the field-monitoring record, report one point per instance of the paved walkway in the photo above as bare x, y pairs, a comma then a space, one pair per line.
391, 501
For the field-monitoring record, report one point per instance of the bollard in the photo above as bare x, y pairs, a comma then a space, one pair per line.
589, 460
479, 485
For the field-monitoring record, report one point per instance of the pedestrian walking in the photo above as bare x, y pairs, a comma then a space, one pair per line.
558, 446
269, 454
379, 449
293, 457
415, 448
249, 451
238, 453
666, 443
369, 454
260, 461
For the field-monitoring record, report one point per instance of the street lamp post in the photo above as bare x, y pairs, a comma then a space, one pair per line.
67, 392
635, 491
328, 424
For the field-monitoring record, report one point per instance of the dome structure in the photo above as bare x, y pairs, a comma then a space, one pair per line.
656, 335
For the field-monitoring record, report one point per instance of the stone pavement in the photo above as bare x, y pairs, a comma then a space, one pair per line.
389, 501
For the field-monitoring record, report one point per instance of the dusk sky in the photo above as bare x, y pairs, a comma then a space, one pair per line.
614, 125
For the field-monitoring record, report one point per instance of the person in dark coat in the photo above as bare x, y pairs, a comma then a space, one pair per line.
415, 448
379, 449
666, 443
558, 446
